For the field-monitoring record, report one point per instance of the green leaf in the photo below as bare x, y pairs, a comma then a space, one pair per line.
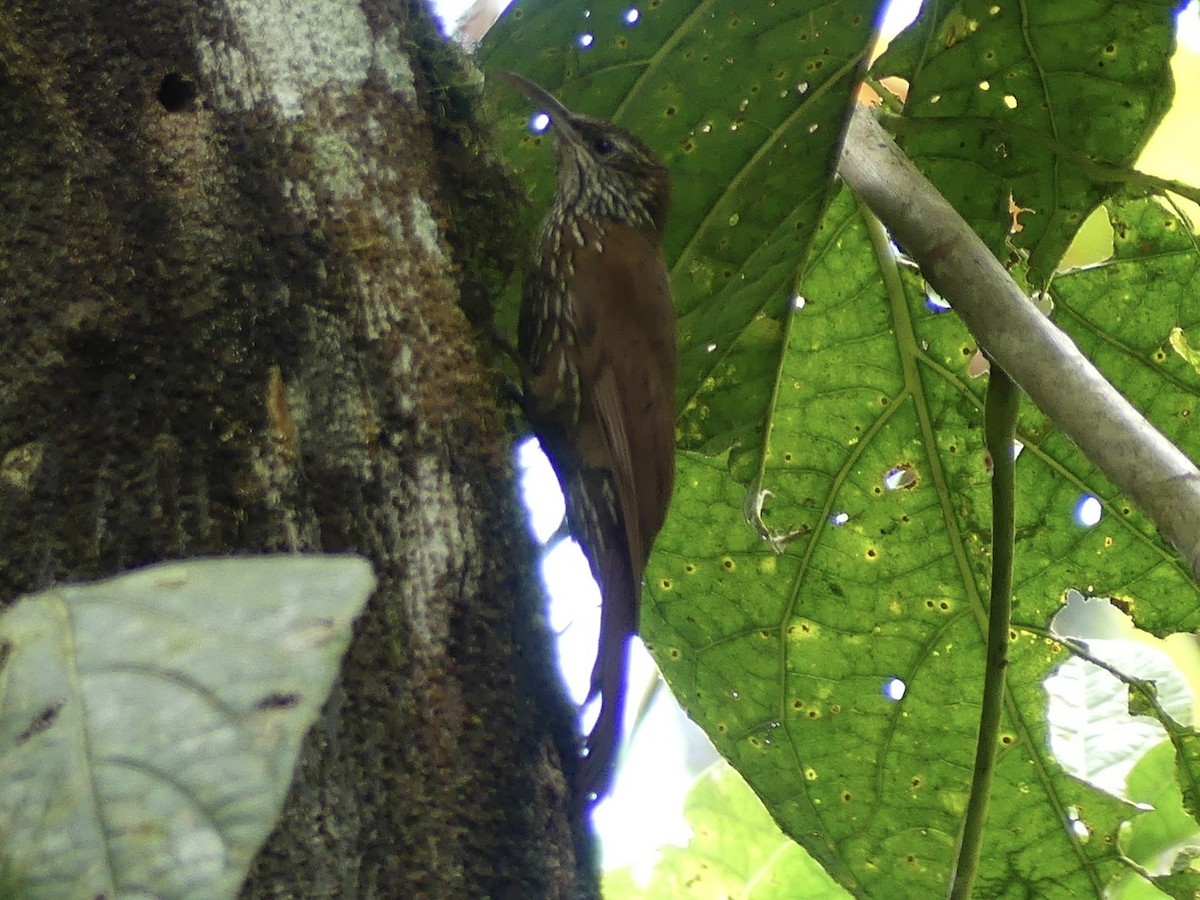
1121, 314
149, 724
1101, 725
1156, 839
1042, 102
792, 692
783, 658
736, 850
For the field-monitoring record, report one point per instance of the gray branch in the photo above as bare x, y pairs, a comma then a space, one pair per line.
1044, 361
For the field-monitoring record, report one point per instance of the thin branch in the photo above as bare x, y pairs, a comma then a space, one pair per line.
1000, 428
1135, 457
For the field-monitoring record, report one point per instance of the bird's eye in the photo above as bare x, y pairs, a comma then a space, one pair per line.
604, 146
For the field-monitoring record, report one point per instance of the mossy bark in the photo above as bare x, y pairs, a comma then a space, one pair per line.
232, 256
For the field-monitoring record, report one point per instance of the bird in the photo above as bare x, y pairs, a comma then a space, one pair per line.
596, 339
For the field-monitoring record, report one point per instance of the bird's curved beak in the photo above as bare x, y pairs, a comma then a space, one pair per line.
560, 116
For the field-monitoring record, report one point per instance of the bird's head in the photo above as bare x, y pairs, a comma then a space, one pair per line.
603, 171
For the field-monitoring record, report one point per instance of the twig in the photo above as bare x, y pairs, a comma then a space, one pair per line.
1064, 384
1000, 427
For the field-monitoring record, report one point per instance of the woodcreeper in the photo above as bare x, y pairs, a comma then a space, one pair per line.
597, 339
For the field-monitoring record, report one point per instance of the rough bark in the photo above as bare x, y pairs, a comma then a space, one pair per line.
233, 242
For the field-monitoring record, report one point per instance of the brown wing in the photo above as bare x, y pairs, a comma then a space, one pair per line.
600, 347
625, 327
627, 349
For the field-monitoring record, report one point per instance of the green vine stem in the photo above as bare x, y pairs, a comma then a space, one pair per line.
1000, 425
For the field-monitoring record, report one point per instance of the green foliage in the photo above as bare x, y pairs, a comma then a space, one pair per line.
830, 530
1041, 102
1150, 839
736, 851
150, 723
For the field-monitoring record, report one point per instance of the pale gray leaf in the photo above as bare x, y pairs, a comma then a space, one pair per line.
149, 724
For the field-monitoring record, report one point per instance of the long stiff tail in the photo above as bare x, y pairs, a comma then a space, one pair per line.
595, 520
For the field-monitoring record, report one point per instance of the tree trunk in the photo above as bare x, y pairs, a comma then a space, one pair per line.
233, 242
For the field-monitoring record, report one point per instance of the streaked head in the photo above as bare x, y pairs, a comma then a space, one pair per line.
603, 170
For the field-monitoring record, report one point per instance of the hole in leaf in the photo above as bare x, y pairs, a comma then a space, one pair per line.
902, 476
1076, 825
934, 302
1088, 511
